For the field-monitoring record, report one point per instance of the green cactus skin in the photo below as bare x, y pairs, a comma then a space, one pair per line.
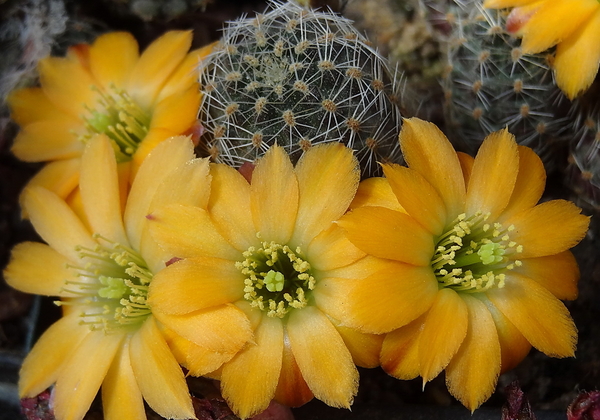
297, 77
491, 85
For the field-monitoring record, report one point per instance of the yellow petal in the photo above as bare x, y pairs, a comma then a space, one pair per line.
400, 350
177, 112
80, 378
48, 140
328, 177
29, 105
56, 223
104, 67
332, 249
158, 165
229, 207
158, 375
390, 298
513, 346
466, 164
156, 64
61, 176
417, 197
223, 329
121, 395
249, 380
364, 348
292, 389
36, 268
99, 186
529, 185
547, 25
53, 349
274, 196
67, 84
581, 48
388, 234
473, 372
502, 4
376, 191
323, 359
195, 283
494, 174
187, 231
558, 273
429, 152
444, 331
541, 318
548, 228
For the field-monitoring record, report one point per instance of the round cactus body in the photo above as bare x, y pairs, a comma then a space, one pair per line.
297, 77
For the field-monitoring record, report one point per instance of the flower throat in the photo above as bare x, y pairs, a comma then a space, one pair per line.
472, 255
277, 278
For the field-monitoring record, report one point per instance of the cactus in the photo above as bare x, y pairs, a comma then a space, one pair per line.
491, 85
297, 77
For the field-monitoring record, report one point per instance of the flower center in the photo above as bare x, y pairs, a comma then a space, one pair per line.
112, 287
472, 255
120, 118
277, 278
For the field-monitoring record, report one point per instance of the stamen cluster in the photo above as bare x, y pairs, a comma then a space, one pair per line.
277, 278
112, 289
472, 255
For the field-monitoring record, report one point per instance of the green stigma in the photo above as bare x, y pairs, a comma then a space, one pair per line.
472, 255
120, 118
277, 278
112, 287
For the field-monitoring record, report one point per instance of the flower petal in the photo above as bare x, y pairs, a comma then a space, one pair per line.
99, 186
107, 70
541, 318
61, 176
530, 183
292, 389
417, 197
29, 105
473, 372
328, 177
444, 331
332, 249
323, 359
53, 349
36, 268
79, 380
502, 4
274, 196
223, 329
558, 273
177, 112
229, 207
494, 174
195, 283
156, 64
56, 223
400, 350
249, 380
187, 231
388, 234
48, 140
158, 375
466, 164
364, 348
121, 395
376, 191
581, 48
428, 151
548, 228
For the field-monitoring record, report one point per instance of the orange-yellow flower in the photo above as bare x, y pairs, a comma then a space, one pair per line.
269, 248
100, 266
572, 25
107, 87
464, 240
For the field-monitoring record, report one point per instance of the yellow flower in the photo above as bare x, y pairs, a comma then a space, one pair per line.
107, 87
267, 247
463, 241
572, 25
101, 268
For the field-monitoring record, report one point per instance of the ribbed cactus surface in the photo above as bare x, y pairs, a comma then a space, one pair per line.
297, 77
